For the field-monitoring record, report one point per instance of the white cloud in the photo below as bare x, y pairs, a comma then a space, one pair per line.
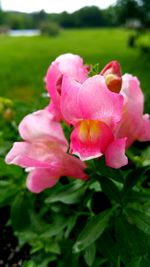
52, 5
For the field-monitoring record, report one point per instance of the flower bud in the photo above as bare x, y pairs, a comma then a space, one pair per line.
8, 114
113, 77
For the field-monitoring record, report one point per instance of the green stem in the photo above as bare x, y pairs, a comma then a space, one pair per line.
118, 261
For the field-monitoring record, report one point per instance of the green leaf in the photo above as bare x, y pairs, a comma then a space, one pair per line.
132, 243
107, 247
99, 262
55, 228
140, 196
70, 224
29, 237
52, 247
135, 263
145, 157
95, 186
9, 171
89, 255
94, 69
133, 178
36, 223
38, 245
92, 231
29, 264
145, 262
40, 260
103, 170
68, 194
141, 220
68, 257
110, 189
7, 192
19, 213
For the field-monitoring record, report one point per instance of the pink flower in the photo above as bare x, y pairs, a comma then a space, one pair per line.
94, 111
69, 64
134, 125
43, 152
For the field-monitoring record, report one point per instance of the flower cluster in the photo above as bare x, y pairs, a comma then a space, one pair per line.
105, 113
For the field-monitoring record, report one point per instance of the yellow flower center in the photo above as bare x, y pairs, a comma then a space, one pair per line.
89, 130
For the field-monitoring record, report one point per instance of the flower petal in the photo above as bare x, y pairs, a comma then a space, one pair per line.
51, 78
27, 155
128, 127
131, 123
67, 64
14, 153
73, 167
115, 154
53, 84
69, 100
39, 125
40, 179
96, 102
89, 139
72, 65
144, 134
133, 96
54, 111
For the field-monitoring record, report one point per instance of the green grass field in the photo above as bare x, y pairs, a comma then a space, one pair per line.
24, 60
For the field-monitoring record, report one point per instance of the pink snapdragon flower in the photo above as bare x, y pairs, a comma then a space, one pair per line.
44, 152
133, 125
69, 64
94, 111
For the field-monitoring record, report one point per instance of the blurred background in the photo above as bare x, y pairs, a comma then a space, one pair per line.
33, 33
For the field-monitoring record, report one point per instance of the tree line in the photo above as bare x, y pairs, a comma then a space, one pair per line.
92, 16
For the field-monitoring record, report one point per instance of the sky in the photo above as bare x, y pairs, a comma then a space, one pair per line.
52, 6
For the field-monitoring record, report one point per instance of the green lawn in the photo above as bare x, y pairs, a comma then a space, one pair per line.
24, 60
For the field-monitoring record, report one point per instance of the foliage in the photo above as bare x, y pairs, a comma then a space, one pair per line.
49, 28
145, 9
127, 9
102, 222
84, 17
90, 16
